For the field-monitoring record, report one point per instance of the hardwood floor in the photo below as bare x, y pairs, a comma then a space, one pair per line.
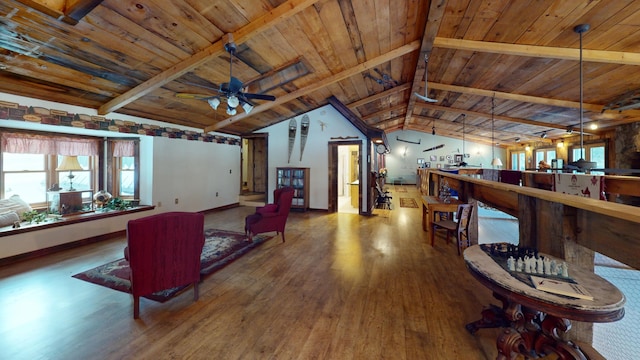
343, 286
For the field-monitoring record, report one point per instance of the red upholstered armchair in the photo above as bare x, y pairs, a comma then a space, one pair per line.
271, 217
163, 253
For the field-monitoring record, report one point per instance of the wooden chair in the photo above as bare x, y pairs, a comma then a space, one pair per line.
460, 226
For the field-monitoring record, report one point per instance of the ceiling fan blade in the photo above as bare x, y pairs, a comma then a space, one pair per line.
194, 96
259, 97
424, 98
619, 171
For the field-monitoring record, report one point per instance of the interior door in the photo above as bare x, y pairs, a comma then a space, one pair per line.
255, 164
259, 167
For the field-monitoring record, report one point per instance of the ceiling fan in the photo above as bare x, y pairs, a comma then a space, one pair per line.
583, 165
426, 87
231, 91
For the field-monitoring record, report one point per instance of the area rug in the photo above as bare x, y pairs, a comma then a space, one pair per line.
220, 248
408, 203
400, 189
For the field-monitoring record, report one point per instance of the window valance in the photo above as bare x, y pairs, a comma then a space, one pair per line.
122, 148
48, 145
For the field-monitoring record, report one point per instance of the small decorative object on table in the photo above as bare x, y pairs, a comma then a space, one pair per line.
101, 198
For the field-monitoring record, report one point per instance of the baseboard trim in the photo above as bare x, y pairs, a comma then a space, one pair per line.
66, 246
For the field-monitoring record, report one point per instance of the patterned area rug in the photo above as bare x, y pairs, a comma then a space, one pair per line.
408, 203
220, 248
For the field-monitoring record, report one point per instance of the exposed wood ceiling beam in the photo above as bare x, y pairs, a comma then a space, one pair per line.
381, 95
523, 98
405, 49
436, 12
378, 114
603, 56
488, 116
480, 128
268, 20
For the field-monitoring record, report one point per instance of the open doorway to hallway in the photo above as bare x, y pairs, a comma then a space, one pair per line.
253, 187
348, 178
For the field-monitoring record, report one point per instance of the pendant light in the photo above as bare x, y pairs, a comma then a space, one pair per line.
582, 164
463, 163
494, 160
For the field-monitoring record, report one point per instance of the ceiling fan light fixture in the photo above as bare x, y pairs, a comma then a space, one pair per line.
247, 107
233, 101
214, 102
231, 111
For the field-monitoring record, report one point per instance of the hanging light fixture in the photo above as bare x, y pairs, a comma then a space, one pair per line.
494, 160
463, 163
582, 164
433, 127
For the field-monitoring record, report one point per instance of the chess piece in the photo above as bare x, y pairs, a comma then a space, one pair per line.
547, 266
511, 263
540, 266
565, 269
519, 264
554, 268
527, 264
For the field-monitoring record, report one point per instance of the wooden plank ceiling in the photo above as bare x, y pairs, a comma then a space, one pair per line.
520, 58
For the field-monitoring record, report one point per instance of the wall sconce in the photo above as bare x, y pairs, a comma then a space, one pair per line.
561, 144
527, 148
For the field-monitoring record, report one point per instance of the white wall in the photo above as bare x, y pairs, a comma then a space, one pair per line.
403, 159
192, 171
316, 153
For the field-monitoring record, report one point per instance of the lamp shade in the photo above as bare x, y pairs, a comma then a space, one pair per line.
69, 163
496, 162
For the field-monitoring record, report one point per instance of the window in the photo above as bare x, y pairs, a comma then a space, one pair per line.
595, 152
25, 175
124, 183
518, 160
545, 155
30, 160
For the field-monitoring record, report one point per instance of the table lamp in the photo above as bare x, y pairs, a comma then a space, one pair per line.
70, 163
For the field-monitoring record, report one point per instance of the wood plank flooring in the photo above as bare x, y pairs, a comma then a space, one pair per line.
343, 286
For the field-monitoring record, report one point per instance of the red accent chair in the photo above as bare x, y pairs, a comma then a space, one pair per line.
271, 217
164, 252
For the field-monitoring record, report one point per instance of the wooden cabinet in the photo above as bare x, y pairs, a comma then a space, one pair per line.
298, 179
69, 202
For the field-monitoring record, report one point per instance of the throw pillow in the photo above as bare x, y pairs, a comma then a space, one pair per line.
15, 203
8, 218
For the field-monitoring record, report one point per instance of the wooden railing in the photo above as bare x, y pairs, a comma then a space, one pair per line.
553, 222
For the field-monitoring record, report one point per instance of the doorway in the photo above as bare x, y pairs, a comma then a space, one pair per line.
344, 177
254, 177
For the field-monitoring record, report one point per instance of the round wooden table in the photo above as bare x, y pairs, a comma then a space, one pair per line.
533, 318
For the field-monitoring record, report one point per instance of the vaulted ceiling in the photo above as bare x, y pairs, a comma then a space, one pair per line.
517, 59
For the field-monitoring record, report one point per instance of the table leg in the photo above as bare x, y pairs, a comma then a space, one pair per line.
528, 332
429, 226
424, 217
